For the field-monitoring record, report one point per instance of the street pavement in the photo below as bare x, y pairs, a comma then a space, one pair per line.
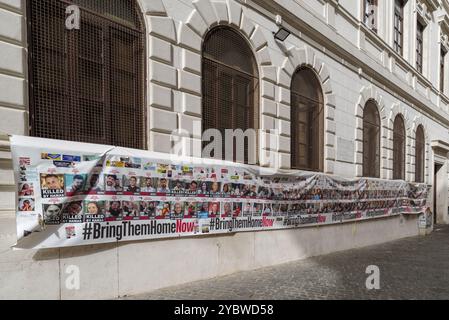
412, 268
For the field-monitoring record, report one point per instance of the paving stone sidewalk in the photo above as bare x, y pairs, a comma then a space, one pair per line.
412, 268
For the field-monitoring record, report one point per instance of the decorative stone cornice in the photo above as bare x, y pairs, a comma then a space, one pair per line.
430, 5
425, 8
444, 30
442, 146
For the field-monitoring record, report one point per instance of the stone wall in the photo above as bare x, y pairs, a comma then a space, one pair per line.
354, 65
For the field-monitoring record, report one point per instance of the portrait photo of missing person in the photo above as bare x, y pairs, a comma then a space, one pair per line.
163, 186
109, 182
203, 188
191, 209
227, 187
114, 209
130, 209
215, 188
72, 209
275, 209
214, 209
227, 210
177, 186
264, 192
247, 209
94, 207
252, 192
163, 210
113, 183
177, 210
203, 210
294, 209
237, 208
191, 187
118, 184
237, 189
267, 209
75, 183
52, 212
148, 208
283, 209
148, 185
257, 209
52, 182
94, 184
131, 184
26, 189
246, 189
26, 205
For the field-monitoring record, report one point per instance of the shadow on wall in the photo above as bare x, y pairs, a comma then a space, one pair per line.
112, 270
81, 251
340, 275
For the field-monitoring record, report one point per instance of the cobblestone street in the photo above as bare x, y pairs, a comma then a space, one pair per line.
413, 268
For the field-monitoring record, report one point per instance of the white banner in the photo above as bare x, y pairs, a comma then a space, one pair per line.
71, 193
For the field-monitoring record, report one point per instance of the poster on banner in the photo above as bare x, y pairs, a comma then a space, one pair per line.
71, 194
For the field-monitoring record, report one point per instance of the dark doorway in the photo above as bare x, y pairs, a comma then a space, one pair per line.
435, 191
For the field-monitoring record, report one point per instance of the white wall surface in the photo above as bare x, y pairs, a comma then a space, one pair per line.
111, 270
353, 64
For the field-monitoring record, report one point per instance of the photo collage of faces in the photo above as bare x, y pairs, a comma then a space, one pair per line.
67, 185
99, 211
26, 185
151, 190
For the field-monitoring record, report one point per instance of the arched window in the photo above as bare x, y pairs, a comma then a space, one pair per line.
371, 140
230, 90
306, 121
87, 85
420, 148
399, 148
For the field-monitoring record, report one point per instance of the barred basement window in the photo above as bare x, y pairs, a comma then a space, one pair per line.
87, 85
307, 121
230, 88
399, 148
371, 141
420, 148
398, 35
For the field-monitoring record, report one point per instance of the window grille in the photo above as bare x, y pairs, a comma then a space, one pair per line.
420, 148
307, 120
87, 85
419, 46
398, 36
371, 141
399, 149
230, 87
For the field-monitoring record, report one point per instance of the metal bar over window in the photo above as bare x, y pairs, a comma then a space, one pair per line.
87, 85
